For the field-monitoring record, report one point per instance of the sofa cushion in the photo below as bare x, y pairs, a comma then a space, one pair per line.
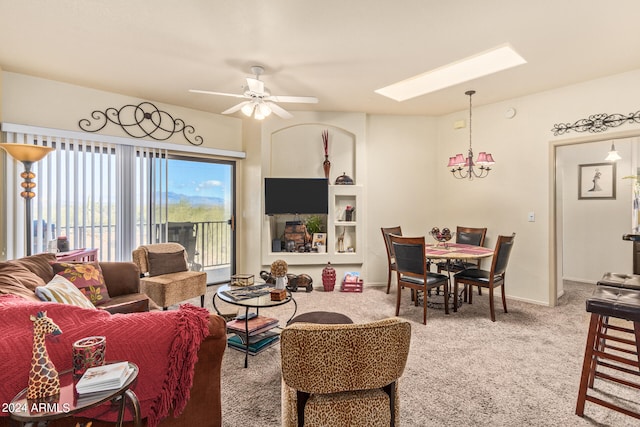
170, 289
166, 263
17, 280
87, 277
39, 264
63, 291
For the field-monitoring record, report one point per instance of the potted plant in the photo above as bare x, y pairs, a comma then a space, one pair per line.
314, 224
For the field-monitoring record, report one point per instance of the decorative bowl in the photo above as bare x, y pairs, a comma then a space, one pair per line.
442, 236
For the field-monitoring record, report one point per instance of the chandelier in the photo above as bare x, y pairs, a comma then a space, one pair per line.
462, 167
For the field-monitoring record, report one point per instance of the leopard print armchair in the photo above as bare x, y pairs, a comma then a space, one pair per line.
343, 375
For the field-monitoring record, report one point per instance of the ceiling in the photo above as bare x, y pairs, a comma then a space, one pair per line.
339, 51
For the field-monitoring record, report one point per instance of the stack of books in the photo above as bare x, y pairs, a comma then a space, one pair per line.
257, 343
102, 378
260, 335
351, 282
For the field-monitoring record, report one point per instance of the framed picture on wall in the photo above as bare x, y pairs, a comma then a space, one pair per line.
597, 181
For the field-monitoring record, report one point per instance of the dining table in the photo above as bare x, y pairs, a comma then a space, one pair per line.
451, 252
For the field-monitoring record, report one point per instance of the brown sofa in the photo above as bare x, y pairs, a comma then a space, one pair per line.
122, 281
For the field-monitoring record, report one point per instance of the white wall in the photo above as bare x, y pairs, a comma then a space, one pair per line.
401, 183
592, 229
46, 103
522, 179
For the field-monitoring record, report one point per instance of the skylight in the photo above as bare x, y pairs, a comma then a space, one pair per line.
497, 59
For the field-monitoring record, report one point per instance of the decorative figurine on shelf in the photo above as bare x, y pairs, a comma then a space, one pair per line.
328, 278
348, 213
326, 165
344, 179
341, 240
43, 376
279, 271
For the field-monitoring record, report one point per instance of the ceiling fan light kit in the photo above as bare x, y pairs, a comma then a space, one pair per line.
260, 103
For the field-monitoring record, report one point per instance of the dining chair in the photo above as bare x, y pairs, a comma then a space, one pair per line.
390, 255
412, 272
467, 236
491, 278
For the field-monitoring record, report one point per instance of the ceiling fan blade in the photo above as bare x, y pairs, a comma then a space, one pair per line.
298, 99
208, 92
255, 85
279, 111
236, 107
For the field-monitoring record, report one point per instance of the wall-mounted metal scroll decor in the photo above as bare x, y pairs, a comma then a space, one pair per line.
596, 123
140, 121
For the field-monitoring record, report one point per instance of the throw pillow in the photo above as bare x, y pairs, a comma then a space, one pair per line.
87, 277
39, 264
165, 263
18, 280
63, 291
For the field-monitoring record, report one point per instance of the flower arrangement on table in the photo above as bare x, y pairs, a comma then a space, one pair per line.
279, 270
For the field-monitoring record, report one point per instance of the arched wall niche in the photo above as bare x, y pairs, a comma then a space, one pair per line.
297, 152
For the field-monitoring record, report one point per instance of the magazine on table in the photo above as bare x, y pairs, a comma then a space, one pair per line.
105, 377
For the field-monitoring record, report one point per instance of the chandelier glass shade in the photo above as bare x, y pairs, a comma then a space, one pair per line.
464, 167
613, 155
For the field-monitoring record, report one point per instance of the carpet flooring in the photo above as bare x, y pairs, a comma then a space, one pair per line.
462, 370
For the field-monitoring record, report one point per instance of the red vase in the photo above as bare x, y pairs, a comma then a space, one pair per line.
326, 165
328, 278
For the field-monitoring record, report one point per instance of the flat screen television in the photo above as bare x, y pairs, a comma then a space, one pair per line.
296, 196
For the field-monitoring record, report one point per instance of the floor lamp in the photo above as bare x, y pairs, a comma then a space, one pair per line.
28, 155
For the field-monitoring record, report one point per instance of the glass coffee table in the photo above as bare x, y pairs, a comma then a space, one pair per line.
68, 402
251, 297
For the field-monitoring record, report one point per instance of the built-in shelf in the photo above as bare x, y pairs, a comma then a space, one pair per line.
340, 196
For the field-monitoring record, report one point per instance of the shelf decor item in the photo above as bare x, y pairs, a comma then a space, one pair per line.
344, 179
326, 165
44, 381
348, 213
328, 278
88, 353
279, 271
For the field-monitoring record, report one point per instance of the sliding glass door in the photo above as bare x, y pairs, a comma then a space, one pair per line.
200, 196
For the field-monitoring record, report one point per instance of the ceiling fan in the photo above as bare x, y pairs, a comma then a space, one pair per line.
260, 102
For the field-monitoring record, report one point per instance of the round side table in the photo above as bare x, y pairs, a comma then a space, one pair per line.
68, 402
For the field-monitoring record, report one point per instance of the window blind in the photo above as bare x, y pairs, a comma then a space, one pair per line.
98, 194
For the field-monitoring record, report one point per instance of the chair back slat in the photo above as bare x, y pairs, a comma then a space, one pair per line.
502, 254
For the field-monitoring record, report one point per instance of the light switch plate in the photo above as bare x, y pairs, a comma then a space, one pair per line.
532, 217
